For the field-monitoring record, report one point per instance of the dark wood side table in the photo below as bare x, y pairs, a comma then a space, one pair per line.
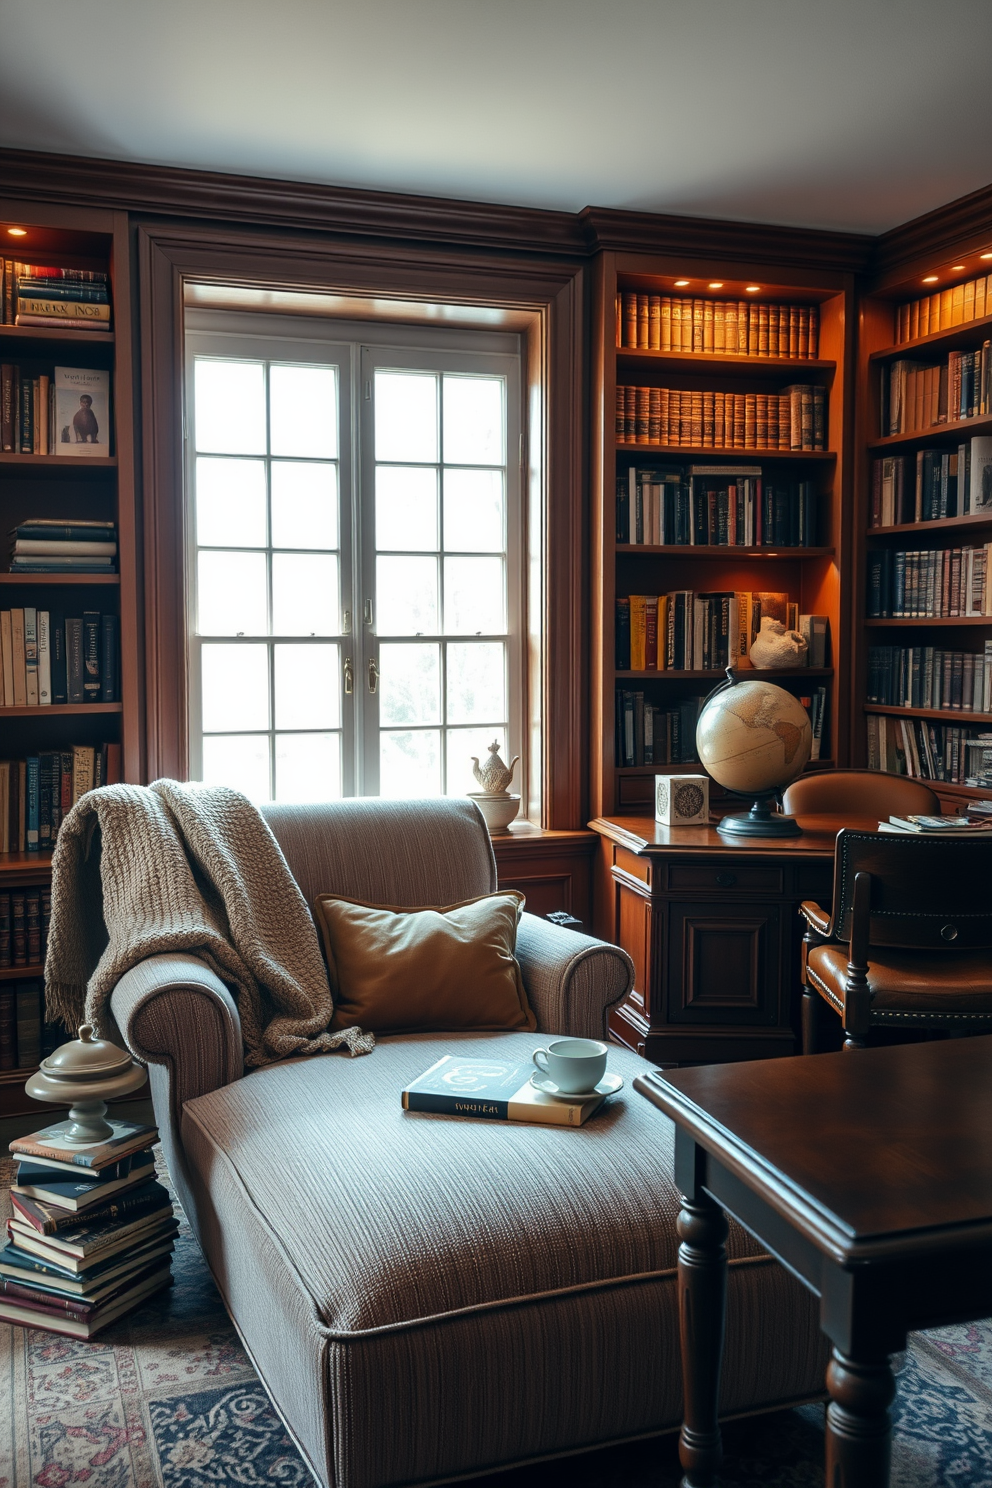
867, 1174
713, 928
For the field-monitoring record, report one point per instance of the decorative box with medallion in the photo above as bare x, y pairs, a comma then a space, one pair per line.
682, 800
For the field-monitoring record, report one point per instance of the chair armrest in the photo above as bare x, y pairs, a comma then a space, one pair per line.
571, 980
179, 1019
816, 918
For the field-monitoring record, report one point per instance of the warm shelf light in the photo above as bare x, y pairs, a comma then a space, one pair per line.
985, 255
752, 288
957, 267
930, 279
682, 283
717, 284
18, 232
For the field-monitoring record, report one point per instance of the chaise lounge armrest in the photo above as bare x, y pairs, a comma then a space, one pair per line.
571, 980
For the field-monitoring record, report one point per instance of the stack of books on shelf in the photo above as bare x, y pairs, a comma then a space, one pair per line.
795, 419
22, 1027
48, 545
64, 413
932, 484
925, 584
37, 793
656, 322
733, 505
686, 631
25, 914
970, 300
929, 751
92, 1232
44, 295
650, 735
930, 677
48, 658
936, 826
918, 395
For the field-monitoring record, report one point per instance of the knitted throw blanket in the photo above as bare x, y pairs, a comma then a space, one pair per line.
140, 871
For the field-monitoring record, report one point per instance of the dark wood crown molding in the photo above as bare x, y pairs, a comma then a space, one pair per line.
959, 227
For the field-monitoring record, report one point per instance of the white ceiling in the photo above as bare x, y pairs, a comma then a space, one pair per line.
852, 114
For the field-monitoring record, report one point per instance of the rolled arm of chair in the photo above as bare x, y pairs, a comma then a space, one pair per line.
571, 980
816, 918
179, 1019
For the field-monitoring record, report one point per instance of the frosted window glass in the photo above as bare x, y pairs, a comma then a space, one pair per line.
462, 745
410, 684
235, 687
307, 687
405, 508
474, 596
229, 404
303, 411
476, 682
230, 503
305, 598
410, 763
474, 506
240, 761
230, 594
308, 767
405, 416
304, 505
473, 421
406, 590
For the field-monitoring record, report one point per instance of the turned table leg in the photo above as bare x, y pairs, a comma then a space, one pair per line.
859, 1430
702, 1228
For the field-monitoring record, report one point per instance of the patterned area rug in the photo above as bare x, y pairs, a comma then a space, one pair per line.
167, 1399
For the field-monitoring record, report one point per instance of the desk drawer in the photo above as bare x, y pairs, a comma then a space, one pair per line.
726, 878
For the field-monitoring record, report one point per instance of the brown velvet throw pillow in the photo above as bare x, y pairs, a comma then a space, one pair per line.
417, 970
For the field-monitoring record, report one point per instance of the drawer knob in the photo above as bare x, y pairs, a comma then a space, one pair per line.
726, 880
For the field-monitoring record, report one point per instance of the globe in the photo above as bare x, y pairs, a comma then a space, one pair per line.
754, 738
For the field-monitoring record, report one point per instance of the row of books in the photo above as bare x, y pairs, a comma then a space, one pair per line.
725, 505
928, 751
653, 322
47, 658
38, 792
932, 484
686, 631
930, 677
66, 412
92, 1231
924, 584
49, 545
794, 419
21, 1024
25, 915
969, 300
46, 295
649, 735
918, 396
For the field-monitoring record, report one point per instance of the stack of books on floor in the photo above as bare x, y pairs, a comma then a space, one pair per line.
45, 545
92, 1231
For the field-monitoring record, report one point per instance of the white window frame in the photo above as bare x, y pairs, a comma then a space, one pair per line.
354, 348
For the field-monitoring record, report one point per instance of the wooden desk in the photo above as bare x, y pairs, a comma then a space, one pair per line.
869, 1175
714, 931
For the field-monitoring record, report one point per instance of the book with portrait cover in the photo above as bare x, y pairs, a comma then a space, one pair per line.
82, 412
495, 1090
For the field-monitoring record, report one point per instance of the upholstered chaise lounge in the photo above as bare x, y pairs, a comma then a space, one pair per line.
427, 1297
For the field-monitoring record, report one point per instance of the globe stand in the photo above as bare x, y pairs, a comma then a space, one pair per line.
760, 821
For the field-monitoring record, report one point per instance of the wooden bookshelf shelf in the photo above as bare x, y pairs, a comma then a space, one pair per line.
961, 337
941, 715
951, 622
679, 452
721, 550
26, 867
954, 431
53, 333
22, 973
938, 525
744, 676
59, 462
61, 710
690, 361
68, 578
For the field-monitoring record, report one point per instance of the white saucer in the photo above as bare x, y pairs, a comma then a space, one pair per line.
608, 1085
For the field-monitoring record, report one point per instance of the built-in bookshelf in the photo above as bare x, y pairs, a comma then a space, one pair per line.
67, 488
771, 414
922, 658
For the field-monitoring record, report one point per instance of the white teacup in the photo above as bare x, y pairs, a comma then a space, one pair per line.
576, 1065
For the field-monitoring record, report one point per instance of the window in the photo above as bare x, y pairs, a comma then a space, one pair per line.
355, 599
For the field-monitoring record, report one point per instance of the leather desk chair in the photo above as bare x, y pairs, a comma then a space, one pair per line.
909, 943
859, 793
